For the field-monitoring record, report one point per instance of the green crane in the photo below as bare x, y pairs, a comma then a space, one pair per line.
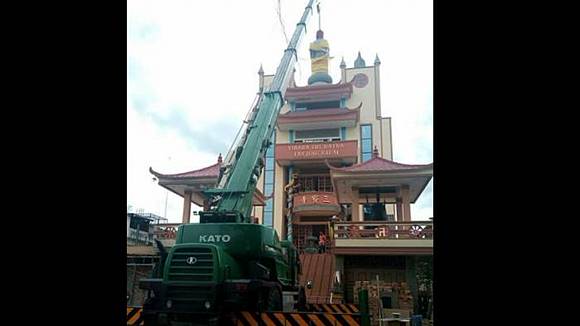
233, 201
225, 262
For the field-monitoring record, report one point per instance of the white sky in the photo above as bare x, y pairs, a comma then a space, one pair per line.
192, 75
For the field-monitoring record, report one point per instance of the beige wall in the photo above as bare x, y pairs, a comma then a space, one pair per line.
282, 137
387, 148
366, 95
370, 114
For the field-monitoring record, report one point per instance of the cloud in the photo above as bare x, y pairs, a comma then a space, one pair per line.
192, 74
143, 32
208, 136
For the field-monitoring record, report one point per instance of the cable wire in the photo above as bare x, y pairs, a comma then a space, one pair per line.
282, 25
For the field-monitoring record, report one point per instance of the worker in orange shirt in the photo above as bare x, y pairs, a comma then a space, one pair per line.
321, 242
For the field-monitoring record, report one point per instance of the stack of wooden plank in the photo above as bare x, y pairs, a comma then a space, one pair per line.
400, 294
405, 297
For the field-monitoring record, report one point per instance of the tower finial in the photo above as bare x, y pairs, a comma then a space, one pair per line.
342, 63
377, 61
261, 71
359, 62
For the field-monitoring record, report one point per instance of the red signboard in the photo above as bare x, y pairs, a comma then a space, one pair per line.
313, 151
315, 204
315, 198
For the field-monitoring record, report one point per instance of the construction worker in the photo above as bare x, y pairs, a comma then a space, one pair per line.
321, 242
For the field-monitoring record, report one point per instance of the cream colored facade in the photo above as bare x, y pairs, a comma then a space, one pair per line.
370, 113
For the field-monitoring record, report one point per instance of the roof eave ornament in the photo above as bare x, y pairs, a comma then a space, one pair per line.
375, 152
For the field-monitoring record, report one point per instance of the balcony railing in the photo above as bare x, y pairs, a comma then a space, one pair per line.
384, 230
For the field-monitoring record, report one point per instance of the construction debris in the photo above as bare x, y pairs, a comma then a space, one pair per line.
385, 295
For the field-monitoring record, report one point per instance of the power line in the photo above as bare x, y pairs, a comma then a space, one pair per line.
282, 25
279, 11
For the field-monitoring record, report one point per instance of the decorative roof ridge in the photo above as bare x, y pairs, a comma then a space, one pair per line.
176, 175
375, 158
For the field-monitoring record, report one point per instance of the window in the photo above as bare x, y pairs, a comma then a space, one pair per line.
269, 183
319, 135
268, 212
315, 183
301, 106
366, 142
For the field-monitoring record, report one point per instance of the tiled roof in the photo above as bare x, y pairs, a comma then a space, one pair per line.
313, 92
379, 164
211, 171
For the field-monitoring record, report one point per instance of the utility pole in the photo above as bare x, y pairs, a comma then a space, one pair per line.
166, 196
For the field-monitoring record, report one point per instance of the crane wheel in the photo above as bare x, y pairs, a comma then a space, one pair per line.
301, 303
271, 300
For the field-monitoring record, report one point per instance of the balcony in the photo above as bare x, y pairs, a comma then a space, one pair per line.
315, 203
334, 151
372, 238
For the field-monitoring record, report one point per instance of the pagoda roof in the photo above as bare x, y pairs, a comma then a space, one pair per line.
380, 173
211, 171
316, 115
198, 180
319, 92
378, 164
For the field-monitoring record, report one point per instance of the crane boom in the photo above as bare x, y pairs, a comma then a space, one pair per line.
232, 203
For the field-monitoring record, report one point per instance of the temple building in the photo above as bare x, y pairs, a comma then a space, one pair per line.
330, 171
